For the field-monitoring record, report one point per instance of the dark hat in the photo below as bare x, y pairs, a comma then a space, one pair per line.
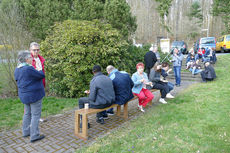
96, 68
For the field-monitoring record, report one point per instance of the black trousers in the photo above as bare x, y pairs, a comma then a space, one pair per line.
83, 100
203, 76
148, 71
163, 87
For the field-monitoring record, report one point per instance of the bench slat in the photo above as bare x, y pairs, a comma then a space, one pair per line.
93, 110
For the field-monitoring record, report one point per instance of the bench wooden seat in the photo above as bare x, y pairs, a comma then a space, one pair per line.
85, 112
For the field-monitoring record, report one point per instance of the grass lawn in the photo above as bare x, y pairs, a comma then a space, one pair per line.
11, 110
197, 120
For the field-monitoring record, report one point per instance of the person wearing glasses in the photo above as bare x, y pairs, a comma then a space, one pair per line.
38, 61
31, 92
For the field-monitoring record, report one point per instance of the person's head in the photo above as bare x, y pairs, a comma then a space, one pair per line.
191, 51
206, 64
140, 67
96, 69
155, 49
175, 51
165, 66
109, 69
157, 67
24, 57
202, 48
34, 49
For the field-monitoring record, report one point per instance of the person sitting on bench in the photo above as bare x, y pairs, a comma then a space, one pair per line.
122, 84
141, 81
101, 93
158, 83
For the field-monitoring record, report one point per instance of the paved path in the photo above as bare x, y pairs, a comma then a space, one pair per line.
59, 131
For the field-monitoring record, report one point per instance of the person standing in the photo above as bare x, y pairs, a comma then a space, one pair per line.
30, 91
177, 63
38, 60
150, 59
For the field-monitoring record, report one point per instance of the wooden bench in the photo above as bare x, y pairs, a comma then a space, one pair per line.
85, 112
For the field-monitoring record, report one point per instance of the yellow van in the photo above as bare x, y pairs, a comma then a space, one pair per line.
223, 43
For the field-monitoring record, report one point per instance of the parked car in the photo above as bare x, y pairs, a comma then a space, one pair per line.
223, 43
204, 42
181, 46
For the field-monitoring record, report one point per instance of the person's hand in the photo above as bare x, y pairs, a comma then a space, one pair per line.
38, 69
149, 83
169, 70
142, 80
87, 91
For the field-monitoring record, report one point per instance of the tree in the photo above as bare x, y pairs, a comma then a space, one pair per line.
41, 15
195, 16
163, 10
13, 37
88, 9
73, 47
222, 8
118, 14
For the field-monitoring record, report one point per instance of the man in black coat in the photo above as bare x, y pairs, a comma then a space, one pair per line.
150, 59
208, 74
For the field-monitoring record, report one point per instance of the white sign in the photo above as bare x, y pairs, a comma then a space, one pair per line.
165, 45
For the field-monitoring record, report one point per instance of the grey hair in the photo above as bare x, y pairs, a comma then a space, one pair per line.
34, 44
110, 68
23, 56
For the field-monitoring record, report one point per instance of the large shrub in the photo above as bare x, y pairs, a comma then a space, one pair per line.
73, 47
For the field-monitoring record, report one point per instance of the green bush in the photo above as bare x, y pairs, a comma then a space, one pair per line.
73, 47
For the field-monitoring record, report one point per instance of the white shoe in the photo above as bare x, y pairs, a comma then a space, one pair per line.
169, 96
162, 101
141, 108
41, 120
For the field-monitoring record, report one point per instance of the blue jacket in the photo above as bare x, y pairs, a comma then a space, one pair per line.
101, 90
138, 85
122, 85
177, 60
29, 82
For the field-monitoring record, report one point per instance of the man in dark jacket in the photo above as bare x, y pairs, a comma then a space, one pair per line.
150, 59
208, 74
122, 84
101, 94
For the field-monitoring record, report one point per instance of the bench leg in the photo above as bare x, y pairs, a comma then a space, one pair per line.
84, 127
118, 110
126, 111
77, 124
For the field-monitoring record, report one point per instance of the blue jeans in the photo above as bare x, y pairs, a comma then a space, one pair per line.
171, 86
31, 118
177, 71
195, 70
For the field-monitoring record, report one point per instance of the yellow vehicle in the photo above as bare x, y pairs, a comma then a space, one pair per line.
223, 43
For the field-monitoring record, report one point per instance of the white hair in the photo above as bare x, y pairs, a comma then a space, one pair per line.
110, 68
23, 56
34, 44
